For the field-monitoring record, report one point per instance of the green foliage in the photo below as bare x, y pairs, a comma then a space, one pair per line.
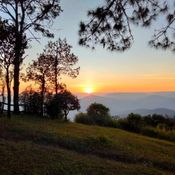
62, 103
63, 61
96, 109
32, 102
53, 109
97, 114
24, 17
83, 118
109, 24
154, 126
123, 124
134, 122
158, 133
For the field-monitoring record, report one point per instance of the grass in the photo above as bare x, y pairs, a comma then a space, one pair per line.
49, 147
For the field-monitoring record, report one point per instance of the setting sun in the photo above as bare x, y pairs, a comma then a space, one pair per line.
88, 90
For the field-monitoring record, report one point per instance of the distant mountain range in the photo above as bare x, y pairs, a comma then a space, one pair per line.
124, 103
163, 111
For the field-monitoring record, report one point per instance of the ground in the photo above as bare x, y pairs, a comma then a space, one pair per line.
34, 146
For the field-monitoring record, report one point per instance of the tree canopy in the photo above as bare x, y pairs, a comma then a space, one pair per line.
27, 17
63, 61
109, 25
63, 102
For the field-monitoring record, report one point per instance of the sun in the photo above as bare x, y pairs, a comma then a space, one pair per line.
88, 90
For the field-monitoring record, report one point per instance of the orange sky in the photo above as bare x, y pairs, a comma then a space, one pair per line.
98, 83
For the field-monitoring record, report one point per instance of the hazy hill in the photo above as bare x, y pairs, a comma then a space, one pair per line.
162, 111
143, 103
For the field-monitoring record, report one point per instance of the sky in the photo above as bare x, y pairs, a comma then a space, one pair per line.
140, 69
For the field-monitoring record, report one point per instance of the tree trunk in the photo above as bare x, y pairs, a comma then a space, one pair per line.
42, 96
17, 63
56, 76
65, 115
56, 86
16, 87
8, 95
3, 100
17, 59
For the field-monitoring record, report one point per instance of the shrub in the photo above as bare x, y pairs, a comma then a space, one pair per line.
134, 122
60, 104
32, 102
97, 114
53, 109
148, 131
100, 120
112, 123
83, 118
97, 109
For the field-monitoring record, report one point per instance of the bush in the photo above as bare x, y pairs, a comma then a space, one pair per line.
32, 102
60, 104
96, 109
134, 122
123, 124
53, 109
97, 114
112, 123
83, 118
100, 120
157, 133
148, 131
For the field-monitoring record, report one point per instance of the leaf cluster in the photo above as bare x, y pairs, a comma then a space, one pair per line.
110, 25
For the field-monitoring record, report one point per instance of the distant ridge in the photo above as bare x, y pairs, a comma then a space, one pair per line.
163, 111
142, 103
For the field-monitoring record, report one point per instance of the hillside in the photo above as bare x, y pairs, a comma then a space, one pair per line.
35, 146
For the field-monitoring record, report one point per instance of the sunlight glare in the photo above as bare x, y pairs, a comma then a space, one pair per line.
88, 90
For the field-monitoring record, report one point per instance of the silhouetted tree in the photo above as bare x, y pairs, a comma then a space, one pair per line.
68, 102
157, 119
2, 86
7, 57
32, 101
53, 108
110, 24
39, 71
99, 114
97, 109
134, 122
63, 102
27, 16
63, 61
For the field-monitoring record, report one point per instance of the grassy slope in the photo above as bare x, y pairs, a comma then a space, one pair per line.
35, 146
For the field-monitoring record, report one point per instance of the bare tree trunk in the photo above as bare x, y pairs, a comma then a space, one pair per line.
16, 88
65, 115
42, 96
3, 100
8, 94
56, 86
56, 76
17, 60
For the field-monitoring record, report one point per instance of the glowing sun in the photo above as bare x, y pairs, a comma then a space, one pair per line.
88, 90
